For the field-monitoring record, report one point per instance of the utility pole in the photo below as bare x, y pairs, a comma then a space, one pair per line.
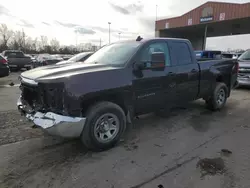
76, 39
23, 37
156, 7
204, 39
109, 31
100, 42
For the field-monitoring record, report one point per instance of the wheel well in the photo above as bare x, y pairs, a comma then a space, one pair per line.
219, 78
115, 98
222, 79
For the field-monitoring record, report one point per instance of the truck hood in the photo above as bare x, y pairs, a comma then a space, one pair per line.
63, 70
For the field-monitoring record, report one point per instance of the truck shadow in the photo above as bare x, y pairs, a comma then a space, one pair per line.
194, 114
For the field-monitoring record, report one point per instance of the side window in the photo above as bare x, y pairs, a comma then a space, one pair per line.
155, 47
182, 52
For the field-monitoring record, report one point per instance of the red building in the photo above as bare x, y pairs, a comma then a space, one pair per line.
208, 20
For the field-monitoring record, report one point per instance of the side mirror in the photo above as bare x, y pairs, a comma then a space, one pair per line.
139, 66
158, 60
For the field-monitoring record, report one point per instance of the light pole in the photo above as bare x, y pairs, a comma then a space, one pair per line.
119, 35
76, 38
156, 9
109, 31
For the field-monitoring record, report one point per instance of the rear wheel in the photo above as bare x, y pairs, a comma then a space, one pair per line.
106, 123
219, 97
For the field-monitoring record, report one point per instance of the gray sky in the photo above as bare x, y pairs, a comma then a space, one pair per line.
61, 19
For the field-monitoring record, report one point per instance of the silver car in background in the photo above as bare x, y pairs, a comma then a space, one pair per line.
244, 69
81, 57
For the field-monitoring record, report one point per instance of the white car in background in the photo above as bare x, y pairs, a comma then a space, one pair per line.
81, 57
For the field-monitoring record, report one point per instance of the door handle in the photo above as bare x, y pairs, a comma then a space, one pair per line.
193, 70
171, 73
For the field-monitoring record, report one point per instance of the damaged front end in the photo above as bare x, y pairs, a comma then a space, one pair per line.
44, 104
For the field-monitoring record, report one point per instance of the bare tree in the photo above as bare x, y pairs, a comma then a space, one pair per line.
29, 44
24, 37
18, 39
43, 42
5, 35
35, 44
55, 45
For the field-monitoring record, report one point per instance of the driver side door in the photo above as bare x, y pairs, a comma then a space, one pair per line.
150, 85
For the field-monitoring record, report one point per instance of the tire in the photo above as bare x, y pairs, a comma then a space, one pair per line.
219, 97
90, 138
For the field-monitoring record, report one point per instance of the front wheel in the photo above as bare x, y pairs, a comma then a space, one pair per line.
106, 123
219, 97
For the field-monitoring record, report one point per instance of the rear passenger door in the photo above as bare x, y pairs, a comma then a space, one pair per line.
186, 69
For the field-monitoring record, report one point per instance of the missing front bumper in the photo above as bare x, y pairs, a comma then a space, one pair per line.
54, 124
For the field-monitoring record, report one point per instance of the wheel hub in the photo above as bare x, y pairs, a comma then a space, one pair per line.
221, 96
106, 127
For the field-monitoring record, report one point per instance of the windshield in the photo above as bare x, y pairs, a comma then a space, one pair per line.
115, 54
245, 56
78, 57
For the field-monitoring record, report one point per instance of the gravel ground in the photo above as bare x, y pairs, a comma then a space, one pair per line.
15, 128
12, 78
156, 152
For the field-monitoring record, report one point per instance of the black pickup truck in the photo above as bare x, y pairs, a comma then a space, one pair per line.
94, 100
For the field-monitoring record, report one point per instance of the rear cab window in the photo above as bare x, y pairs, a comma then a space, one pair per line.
160, 46
14, 54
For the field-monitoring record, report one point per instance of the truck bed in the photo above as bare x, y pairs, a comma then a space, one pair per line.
209, 70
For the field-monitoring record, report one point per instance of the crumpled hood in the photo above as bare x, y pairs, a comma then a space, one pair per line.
63, 70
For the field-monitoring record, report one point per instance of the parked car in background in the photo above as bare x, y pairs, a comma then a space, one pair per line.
244, 69
57, 57
81, 57
94, 100
231, 55
66, 57
46, 59
17, 59
4, 67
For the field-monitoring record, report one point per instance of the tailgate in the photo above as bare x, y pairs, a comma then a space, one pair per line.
19, 62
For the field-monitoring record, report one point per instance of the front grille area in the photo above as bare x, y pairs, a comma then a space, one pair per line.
52, 96
30, 94
44, 97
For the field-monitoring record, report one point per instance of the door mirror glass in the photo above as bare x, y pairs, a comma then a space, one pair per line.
157, 60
